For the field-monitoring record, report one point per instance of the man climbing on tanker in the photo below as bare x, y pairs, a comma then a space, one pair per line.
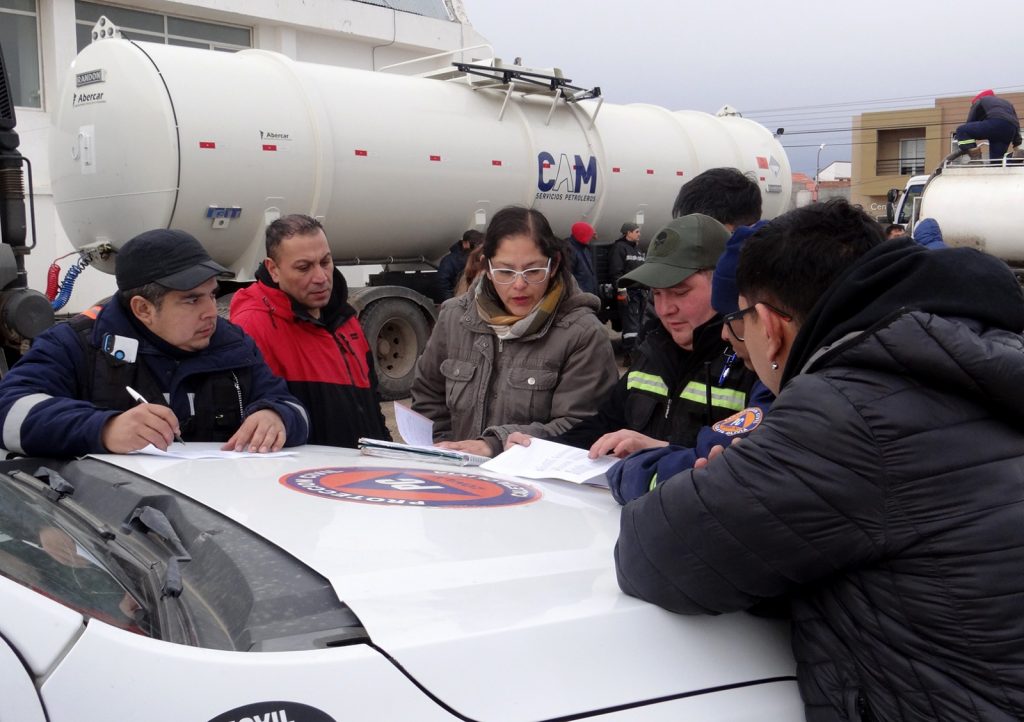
992, 118
299, 315
153, 363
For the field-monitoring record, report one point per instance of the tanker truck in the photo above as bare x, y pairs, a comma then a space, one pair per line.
395, 166
979, 204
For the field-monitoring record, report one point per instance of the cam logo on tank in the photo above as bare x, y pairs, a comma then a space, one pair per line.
570, 178
409, 487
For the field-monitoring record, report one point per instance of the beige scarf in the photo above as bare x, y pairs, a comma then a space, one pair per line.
493, 312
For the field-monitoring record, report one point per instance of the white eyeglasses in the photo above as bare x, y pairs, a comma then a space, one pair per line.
506, 276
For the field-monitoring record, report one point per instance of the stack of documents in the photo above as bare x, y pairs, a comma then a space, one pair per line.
418, 432
394, 450
549, 460
540, 460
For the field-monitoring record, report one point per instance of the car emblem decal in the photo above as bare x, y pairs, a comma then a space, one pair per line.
386, 486
274, 712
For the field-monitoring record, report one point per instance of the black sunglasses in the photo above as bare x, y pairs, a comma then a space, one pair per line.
729, 318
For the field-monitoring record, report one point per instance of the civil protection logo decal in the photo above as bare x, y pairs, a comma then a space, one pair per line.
384, 486
740, 423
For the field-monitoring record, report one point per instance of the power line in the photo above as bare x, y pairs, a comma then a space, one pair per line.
903, 99
800, 117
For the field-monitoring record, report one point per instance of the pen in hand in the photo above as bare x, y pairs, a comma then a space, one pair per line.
140, 399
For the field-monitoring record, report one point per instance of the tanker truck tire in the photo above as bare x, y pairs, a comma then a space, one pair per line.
397, 331
224, 305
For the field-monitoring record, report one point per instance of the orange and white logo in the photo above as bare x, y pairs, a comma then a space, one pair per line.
742, 422
409, 487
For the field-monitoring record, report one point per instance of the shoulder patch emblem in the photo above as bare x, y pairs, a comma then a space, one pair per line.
742, 422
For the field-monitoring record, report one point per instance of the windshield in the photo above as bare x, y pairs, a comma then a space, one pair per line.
124, 549
40, 548
907, 209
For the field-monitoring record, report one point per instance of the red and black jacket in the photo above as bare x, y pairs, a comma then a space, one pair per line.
326, 361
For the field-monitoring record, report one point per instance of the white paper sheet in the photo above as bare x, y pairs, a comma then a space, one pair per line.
549, 460
415, 429
182, 451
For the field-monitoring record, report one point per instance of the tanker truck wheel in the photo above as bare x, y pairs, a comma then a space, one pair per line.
397, 333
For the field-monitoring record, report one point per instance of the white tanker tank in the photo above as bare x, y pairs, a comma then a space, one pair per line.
980, 206
396, 167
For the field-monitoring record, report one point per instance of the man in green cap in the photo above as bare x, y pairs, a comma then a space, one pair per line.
684, 376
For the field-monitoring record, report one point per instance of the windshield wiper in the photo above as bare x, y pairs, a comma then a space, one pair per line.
153, 520
57, 487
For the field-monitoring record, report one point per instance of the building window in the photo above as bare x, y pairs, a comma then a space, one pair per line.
159, 28
437, 9
912, 156
19, 38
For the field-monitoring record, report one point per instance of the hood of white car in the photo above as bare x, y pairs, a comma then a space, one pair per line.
497, 595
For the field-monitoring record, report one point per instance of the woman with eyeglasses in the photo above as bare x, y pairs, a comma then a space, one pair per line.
522, 350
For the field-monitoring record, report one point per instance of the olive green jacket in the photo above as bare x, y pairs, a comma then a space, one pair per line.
473, 385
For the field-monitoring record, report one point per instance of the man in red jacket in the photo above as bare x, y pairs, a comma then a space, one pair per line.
298, 314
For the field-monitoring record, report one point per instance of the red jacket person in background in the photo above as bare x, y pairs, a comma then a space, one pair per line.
298, 314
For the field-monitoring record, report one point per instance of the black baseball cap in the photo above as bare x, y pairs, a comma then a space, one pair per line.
172, 258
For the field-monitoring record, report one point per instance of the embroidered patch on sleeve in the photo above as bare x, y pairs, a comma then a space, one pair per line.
742, 422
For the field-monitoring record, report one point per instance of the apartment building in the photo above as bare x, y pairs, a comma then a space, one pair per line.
890, 146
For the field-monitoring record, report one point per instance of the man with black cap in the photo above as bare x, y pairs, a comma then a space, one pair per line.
154, 362
624, 256
682, 378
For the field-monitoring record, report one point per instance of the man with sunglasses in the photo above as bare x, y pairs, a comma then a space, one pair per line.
683, 376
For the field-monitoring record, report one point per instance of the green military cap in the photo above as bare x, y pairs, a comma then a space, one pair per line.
686, 245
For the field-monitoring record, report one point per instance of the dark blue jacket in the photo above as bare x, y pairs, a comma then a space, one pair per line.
583, 266
928, 233
57, 398
450, 268
641, 471
992, 107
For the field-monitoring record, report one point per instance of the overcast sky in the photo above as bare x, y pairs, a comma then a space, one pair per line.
776, 62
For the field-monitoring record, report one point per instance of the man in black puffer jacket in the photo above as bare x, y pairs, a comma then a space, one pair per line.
883, 497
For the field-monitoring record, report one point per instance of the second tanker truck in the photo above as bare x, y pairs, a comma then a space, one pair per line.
396, 167
978, 203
